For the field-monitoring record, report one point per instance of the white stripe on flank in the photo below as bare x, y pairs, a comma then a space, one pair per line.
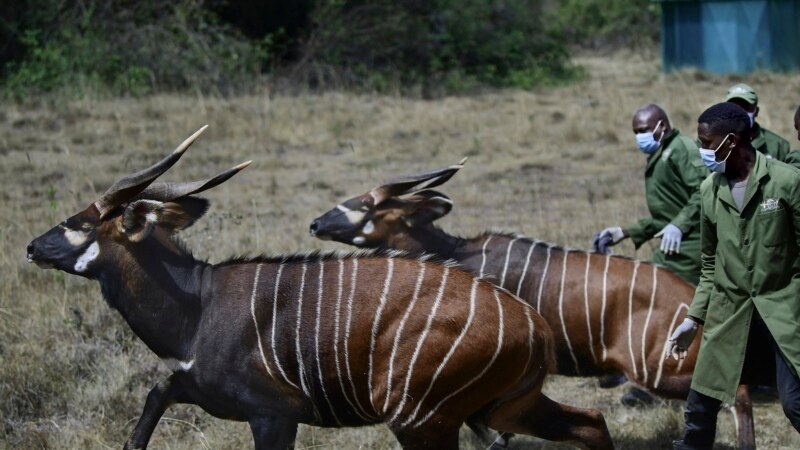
397, 335
500, 335
255, 321
561, 311
603, 310
386, 283
505, 265
274, 321
336, 322
300, 368
647, 323
586, 304
630, 318
525, 267
420, 340
666, 344
453, 347
316, 339
347, 338
541, 283
483, 256
531, 329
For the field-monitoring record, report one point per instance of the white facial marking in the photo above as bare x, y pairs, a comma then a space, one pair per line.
355, 216
75, 238
358, 240
343, 208
88, 256
369, 227
177, 365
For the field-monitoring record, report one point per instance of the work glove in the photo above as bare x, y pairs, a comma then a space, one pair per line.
682, 338
670, 239
606, 238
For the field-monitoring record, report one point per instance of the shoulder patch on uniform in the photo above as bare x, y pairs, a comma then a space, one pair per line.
665, 154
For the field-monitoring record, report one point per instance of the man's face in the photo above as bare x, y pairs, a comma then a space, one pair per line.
744, 105
712, 141
644, 123
797, 123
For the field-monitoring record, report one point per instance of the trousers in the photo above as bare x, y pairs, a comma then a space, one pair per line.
701, 410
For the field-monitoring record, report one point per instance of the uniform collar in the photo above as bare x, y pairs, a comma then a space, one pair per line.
759, 141
665, 142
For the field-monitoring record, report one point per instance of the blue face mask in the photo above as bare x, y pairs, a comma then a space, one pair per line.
752, 117
647, 142
710, 157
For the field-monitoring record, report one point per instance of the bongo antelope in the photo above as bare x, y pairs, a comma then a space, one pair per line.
608, 314
325, 340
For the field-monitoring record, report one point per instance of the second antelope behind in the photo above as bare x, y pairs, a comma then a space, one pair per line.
324, 340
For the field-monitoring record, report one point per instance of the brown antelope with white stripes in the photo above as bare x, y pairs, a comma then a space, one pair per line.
319, 339
609, 314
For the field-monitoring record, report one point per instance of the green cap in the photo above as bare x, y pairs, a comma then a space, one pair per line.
743, 92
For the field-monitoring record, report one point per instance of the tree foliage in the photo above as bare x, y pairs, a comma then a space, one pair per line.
134, 47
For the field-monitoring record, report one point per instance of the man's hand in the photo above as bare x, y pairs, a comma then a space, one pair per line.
671, 237
607, 238
681, 339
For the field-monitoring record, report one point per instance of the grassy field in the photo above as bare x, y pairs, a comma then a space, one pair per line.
557, 165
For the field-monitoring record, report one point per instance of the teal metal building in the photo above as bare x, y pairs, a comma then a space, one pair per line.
730, 36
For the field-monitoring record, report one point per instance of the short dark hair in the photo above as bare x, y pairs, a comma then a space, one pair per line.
797, 113
724, 118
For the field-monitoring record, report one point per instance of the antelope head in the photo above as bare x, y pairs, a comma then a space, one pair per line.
386, 216
130, 211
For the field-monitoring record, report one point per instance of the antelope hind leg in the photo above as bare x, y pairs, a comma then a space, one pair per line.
537, 415
273, 433
165, 394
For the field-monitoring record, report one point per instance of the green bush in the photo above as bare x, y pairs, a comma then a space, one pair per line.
609, 23
135, 47
132, 48
449, 44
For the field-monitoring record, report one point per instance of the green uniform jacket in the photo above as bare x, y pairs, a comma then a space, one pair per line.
775, 146
748, 259
672, 186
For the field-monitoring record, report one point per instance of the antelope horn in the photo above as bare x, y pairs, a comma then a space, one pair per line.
166, 191
413, 183
127, 187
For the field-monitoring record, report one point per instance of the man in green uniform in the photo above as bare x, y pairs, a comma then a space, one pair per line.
797, 122
672, 180
765, 141
748, 297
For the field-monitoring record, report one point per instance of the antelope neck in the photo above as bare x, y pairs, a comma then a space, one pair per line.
434, 240
158, 293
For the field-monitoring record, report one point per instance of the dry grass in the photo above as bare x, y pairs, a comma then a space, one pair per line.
557, 165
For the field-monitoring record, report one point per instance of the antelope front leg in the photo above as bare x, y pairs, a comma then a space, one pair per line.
743, 415
165, 394
273, 433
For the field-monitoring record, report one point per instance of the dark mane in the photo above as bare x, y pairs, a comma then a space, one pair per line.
507, 235
317, 255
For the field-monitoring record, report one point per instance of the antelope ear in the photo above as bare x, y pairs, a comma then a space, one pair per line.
183, 212
140, 219
427, 206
